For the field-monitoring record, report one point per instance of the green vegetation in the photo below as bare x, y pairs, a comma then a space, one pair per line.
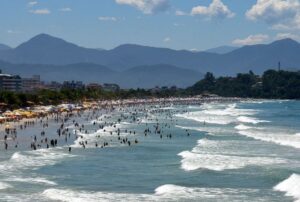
13, 100
273, 84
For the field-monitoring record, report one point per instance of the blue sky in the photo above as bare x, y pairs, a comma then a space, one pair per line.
177, 24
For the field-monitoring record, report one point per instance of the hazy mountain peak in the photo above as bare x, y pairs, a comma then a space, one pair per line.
127, 46
286, 41
221, 49
43, 36
139, 47
46, 49
46, 41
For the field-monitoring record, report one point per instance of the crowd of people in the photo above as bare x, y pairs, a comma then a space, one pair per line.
96, 126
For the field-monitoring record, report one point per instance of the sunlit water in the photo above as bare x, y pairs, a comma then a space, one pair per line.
247, 151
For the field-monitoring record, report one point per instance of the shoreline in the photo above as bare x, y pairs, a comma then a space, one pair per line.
59, 118
38, 111
62, 116
15, 119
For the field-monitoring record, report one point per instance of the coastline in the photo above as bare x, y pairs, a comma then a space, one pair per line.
194, 147
41, 116
14, 118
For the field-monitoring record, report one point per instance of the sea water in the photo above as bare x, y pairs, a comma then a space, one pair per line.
244, 151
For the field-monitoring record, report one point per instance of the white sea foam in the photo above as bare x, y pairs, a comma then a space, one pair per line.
194, 107
206, 146
252, 120
174, 192
210, 113
217, 114
21, 197
168, 108
230, 110
104, 133
201, 117
91, 137
79, 196
223, 155
291, 186
291, 140
242, 127
32, 160
264, 101
254, 102
214, 131
4, 186
36, 180
193, 161
167, 192
12, 170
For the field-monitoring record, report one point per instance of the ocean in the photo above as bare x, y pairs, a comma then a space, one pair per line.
243, 151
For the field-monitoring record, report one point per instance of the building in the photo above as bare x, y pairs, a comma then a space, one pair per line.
94, 86
31, 84
73, 85
10, 82
157, 89
111, 87
53, 85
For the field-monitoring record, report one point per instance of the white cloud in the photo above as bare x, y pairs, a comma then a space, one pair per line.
180, 13
13, 31
251, 40
287, 35
32, 3
194, 50
147, 6
107, 18
44, 11
167, 39
280, 14
67, 9
217, 9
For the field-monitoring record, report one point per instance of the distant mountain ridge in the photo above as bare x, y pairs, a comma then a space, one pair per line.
137, 77
163, 75
4, 47
45, 49
221, 49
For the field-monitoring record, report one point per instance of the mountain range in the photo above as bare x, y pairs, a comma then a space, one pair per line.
137, 77
141, 66
4, 47
221, 49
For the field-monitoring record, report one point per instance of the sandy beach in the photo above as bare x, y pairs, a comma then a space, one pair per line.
18, 131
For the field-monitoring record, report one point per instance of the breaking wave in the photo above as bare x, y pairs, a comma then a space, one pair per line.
291, 186
219, 156
278, 138
252, 120
167, 192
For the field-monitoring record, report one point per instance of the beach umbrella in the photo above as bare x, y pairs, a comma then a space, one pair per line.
30, 103
2, 119
2, 104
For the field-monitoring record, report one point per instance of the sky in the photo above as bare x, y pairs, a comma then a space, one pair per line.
177, 24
